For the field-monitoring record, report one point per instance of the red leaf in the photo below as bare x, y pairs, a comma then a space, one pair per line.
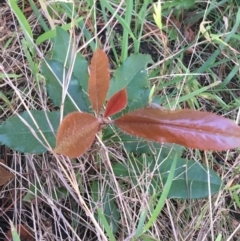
5, 176
98, 80
23, 231
194, 129
116, 103
76, 134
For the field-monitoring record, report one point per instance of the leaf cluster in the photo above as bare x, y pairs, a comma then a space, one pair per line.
190, 128
128, 107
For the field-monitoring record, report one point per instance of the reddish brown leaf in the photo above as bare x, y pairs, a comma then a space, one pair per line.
98, 80
116, 103
194, 129
23, 231
5, 176
76, 134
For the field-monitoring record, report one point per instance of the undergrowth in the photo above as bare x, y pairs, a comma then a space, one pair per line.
195, 55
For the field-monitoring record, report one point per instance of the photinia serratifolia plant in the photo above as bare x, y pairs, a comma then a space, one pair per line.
190, 128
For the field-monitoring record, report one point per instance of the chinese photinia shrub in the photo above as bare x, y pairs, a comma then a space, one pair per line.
122, 101
190, 128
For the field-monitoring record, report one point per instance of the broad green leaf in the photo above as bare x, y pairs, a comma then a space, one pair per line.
62, 47
130, 68
76, 133
103, 198
190, 128
190, 177
98, 80
17, 135
138, 91
191, 180
61, 50
76, 97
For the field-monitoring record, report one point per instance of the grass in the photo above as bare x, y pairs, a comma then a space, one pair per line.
195, 66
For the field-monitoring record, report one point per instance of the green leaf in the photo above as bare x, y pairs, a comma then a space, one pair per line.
76, 97
104, 196
190, 178
63, 48
138, 91
57, 70
27, 137
138, 146
131, 69
32, 193
138, 88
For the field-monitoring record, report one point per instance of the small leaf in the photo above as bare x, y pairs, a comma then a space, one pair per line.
116, 103
190, 128
98, 80
76, 134
20, 232
15, 134
5, 175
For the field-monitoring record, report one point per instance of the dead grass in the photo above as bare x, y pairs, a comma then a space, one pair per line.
61, 205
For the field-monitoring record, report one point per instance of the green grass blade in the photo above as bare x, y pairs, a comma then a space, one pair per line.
195, 93
106, 226
39, 16
219, 237
81, 24
128, 20
52, 33
22, 20
15, 236
120, 19
139, 23
141, 223
163, 197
